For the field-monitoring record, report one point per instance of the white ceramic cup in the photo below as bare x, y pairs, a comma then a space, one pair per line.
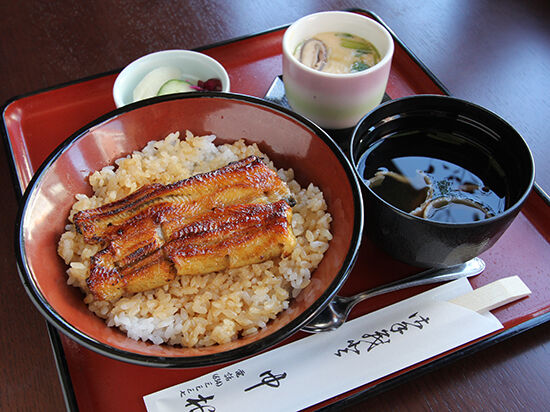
335, 101
193, 65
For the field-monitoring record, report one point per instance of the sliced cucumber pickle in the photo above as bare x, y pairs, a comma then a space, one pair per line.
175, 86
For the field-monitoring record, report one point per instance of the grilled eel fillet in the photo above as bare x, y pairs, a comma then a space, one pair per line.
230, 217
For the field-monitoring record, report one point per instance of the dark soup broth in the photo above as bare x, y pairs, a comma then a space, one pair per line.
435, 176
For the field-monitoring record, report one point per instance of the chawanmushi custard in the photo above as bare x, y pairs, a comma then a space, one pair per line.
337, 53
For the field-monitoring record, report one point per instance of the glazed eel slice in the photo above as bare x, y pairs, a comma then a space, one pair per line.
150, 235
245, 181
226, 237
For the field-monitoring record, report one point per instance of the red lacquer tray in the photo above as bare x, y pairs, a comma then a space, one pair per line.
35, 124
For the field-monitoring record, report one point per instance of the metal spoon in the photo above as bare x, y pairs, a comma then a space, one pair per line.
337, 311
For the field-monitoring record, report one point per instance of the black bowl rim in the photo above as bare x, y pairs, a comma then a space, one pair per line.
511, 211
250, 349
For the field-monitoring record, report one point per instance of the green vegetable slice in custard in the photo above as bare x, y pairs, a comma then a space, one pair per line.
359, 66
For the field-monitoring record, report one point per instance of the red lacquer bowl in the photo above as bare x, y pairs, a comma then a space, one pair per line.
289, 140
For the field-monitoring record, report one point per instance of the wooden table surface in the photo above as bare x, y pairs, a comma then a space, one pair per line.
496, 54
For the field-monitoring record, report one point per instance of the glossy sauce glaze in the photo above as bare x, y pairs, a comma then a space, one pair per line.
230, 217
245, 181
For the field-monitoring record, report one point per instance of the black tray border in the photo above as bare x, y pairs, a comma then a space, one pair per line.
55, 340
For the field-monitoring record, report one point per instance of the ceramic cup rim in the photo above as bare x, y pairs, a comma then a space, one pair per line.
342, 15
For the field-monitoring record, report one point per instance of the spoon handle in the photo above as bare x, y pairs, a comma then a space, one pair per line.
434, 275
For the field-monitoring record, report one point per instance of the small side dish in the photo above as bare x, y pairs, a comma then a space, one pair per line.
165, 80
336, 67
166, 72
192, 244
